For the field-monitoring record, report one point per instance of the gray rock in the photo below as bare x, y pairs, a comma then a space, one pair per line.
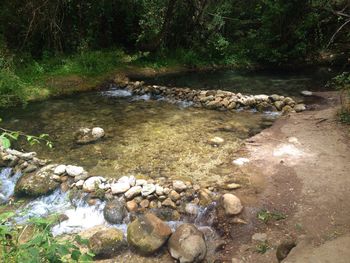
180, 186
73, 170
120, 187
133, 191
148, 233
30, 168
148, 189
231, 204
38, 183
114, 211
97, 133
60, 169
93, 183
187, 244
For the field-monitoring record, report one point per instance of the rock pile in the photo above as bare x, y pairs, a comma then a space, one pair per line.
216, 99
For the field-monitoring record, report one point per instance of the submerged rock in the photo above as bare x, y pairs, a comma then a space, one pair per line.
231, 204
148, 233
38, 183
187, 244
86, 135
107, 242
114, 211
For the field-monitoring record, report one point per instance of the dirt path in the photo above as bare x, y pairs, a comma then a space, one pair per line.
301, 167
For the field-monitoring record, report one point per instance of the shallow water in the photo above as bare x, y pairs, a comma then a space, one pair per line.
286, 83
149, 138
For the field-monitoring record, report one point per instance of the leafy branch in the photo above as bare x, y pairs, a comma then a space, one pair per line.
7, 136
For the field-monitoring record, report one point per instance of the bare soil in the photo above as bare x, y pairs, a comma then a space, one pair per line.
299, 167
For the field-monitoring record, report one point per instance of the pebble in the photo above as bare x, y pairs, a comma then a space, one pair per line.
168, 203
73, 170
141, 182
179, 186
159, 190
232, 186
174, 196
144, 203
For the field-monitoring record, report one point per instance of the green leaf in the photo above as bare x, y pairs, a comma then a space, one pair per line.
76, 255
6, 143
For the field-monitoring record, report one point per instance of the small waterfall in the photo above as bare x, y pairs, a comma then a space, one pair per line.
7, 183
117, 93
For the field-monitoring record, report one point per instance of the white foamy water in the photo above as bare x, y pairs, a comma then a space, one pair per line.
117, 93
144, 97
7, 183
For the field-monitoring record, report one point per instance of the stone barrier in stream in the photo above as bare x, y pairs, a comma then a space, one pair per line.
216, 99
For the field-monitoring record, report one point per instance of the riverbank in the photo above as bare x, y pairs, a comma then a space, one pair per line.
299, 168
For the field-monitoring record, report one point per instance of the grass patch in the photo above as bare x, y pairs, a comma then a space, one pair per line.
262, 247
265, 216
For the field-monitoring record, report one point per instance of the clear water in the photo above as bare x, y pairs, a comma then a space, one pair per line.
263, 82
148, 138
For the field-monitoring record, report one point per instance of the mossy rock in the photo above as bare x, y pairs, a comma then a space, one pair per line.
148, 233
37, 184
107, 242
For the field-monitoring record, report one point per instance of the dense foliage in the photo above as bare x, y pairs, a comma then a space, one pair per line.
34, 243
41, 37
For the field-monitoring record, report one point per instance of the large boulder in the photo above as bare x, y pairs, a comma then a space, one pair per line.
86, 135
148, 233
106, 242
187, 244
114, 211
36, 184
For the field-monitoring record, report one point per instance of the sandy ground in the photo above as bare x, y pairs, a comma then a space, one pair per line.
300, 167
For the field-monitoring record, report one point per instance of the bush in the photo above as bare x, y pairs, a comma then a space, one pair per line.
12, 89
42, 246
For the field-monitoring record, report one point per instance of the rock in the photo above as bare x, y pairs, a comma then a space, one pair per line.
148, 189
169, 203
287, 109
114, 211
86, 135
289, 101
141, 182
133, 191
60, 169
187, 244
97, 133
144, 203
174, 196
159, 190
306, 93
79, 184
284, 248
166, 214
232, 186
192, 209
148, 233
179, 186
216, 141
38, 183
131, 206
132, 180
93, 183
275, 97
205, 197
231, 204
260, 237
279, 105
73, 170
120, 187
300, 107
30, 168
107, 242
